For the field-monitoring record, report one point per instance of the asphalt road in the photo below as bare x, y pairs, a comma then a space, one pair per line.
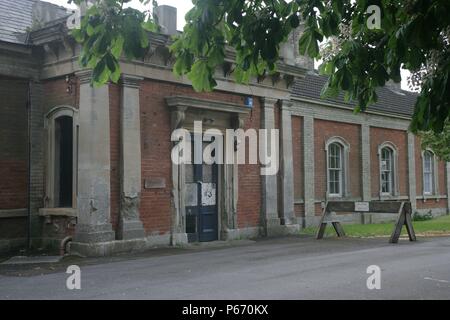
288, 268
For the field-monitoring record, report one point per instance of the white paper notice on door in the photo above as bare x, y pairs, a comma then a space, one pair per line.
208, 194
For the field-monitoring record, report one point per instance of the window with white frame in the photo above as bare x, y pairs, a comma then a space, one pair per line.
387, 171
335, 169
428, 172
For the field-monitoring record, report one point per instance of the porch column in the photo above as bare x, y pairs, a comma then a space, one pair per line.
93, 201
130, 225
412, 171
365, 160
287, 177
308, 156
269, 182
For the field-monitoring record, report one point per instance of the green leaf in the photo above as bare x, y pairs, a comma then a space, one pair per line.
200, 76
308, 44
216, 57
294, 21
144, 39
90, 30
117, 47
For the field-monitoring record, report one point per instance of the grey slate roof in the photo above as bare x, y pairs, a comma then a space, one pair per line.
389, 101
18, 15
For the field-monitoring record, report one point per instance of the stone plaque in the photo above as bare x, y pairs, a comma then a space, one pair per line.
155, 183
362, 206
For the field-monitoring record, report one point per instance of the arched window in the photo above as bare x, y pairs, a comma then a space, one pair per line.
335, 169
337, 154
387, 154
429, 186
387, 171
61, 124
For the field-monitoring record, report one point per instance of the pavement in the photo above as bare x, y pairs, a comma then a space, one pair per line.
283, 268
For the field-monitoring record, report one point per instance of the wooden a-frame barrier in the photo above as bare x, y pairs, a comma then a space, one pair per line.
402, 209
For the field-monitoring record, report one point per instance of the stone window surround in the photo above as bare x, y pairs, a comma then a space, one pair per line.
49, 125
395, 185
435, 182
387, 155
344, 165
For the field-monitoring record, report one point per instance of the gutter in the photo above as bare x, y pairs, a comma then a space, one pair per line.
340, 106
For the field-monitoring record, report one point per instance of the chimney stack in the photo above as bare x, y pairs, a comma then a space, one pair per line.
167, 19
394, 87
289, 51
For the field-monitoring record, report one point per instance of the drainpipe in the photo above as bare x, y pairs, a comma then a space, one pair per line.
64, 246
29, 166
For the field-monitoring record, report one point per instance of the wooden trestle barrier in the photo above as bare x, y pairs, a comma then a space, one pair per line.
402, 209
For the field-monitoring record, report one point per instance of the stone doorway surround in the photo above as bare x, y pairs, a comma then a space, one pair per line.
219, 115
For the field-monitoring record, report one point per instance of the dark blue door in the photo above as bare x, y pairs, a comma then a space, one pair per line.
201, 202
208, 223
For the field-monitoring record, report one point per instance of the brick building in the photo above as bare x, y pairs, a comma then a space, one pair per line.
92, 166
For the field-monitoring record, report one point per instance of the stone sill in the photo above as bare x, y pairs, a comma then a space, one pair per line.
58, 212
13, 213
425, 198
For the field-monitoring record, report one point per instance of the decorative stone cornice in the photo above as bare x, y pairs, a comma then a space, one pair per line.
84, 76
213, 105
286, 105
269, 102
131, 81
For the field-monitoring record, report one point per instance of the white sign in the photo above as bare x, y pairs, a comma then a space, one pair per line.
361, 206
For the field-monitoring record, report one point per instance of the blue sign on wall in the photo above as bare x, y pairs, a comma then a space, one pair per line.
249, 102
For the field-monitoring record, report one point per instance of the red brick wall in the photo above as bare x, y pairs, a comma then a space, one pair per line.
299, 210
400, 140
13, 188
13, 144
324, 130
13, 132
55, 93
114, 118
442, 176
156, 156
249, 201
431, 204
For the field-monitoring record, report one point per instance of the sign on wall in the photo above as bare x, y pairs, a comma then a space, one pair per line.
362, 206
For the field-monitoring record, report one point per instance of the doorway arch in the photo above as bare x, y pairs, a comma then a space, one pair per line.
61, 165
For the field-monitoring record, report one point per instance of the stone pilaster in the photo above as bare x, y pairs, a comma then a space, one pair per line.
93, 201
308, 156
271, 218
448, 187
37, 156
287, 174
412, 171
130, 225
365, 160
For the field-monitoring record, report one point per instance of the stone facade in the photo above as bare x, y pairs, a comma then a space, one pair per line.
126, 194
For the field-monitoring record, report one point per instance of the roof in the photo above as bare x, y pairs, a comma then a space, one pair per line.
397, 102
16, 16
